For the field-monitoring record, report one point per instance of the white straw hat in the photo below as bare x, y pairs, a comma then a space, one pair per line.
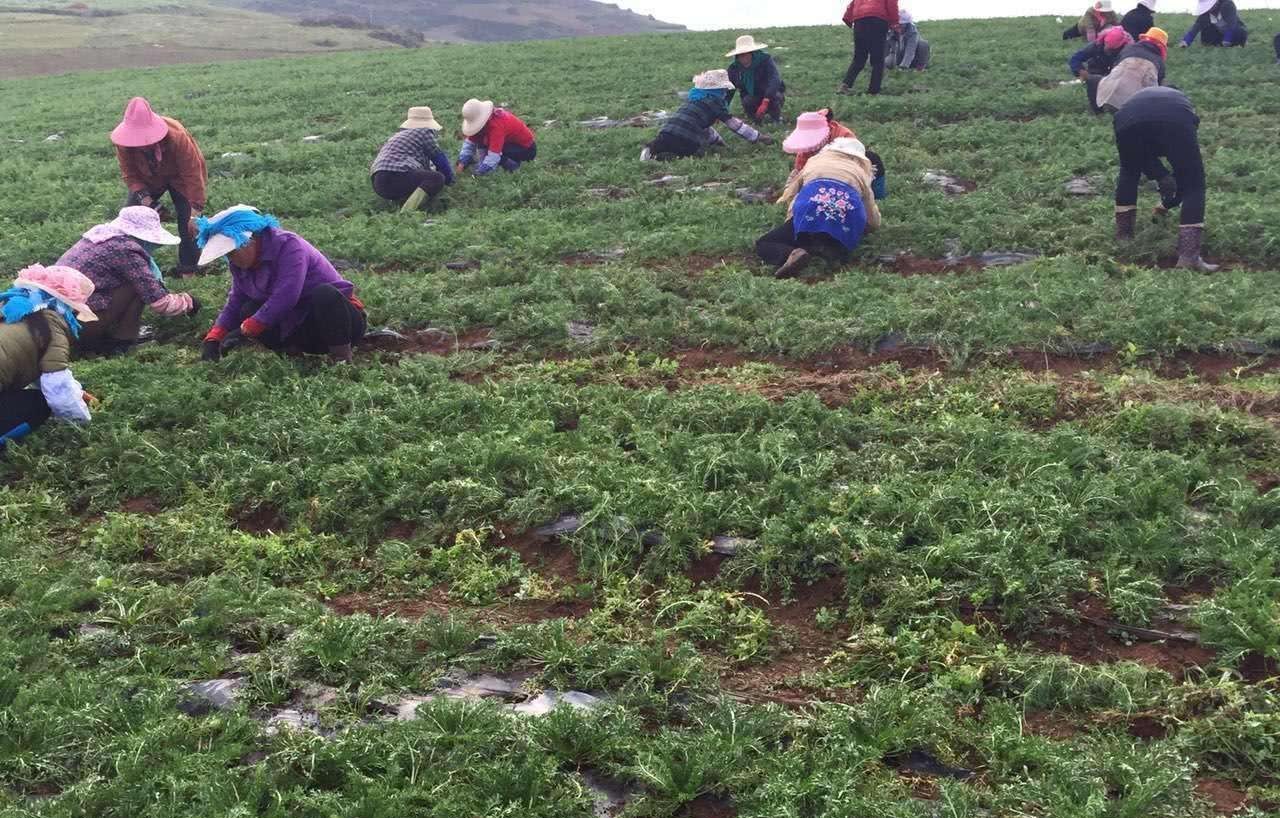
219, 245
421, 117
1105, 5
848, 146
746, 44
712, 80
475, 115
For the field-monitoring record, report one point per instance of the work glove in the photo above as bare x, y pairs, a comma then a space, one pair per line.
173, 304
762, 109
251, 327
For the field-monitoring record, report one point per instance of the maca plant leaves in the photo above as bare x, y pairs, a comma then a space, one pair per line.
966, 501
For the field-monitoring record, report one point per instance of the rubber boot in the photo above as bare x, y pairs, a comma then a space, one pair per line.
1189, 240
1126, 220
414, 201
795, 263
340, 354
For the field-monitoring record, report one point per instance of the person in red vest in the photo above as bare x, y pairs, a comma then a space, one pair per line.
870, 21
495, 138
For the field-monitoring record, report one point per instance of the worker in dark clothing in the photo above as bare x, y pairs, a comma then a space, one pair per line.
1154, 123
1141, 19
1095, 61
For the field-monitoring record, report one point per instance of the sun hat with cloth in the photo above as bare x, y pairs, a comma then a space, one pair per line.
1205, 6
61, 284
849, 147
1116, 38
475, 115
811, 132
714, 80
230, 230
421, 117
141, 126
746, 45
1150, 4
142, 223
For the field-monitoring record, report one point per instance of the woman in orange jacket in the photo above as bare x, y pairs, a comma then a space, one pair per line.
157, 155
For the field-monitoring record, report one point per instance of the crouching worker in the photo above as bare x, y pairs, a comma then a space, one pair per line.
117, 258
756, 76
1096, 60
411, 167
40, 318
284, 293
831, 204
692, 129
496, 138
1155, 123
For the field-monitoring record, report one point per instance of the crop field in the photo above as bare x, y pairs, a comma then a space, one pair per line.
623, 525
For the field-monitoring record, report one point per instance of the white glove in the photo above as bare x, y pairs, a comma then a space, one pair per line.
65, 396
173, 304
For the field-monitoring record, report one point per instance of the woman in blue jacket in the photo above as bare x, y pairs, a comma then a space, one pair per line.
756, 76
1218, 23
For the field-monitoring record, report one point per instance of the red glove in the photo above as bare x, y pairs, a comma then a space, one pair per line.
763, 109
215, 333
251, 327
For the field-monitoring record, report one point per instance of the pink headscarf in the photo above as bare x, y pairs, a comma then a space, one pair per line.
1116, 38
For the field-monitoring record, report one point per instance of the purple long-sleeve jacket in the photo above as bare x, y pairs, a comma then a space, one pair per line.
288, 269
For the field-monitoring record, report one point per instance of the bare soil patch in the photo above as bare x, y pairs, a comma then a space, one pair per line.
261, 520
435, 342
708, 806
402, 530
145, 505
1049, 724
546, 555
1226, 797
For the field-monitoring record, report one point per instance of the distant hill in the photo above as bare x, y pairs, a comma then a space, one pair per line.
473, 20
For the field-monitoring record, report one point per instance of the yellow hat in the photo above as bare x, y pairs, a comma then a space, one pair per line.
1158, 35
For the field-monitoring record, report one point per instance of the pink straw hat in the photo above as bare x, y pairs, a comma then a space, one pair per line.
69, 286
811, 133
140, 127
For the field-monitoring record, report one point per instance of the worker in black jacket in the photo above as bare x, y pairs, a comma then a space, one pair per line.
1141, 19
756, 76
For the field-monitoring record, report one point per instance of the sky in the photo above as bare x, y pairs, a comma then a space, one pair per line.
741, 14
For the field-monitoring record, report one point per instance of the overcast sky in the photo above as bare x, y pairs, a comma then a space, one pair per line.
717, 14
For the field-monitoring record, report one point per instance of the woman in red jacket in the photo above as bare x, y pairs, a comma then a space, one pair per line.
870, 21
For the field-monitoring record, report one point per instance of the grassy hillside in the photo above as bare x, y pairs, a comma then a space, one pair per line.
915, 537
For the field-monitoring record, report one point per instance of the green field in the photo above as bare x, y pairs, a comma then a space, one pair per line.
1001, 541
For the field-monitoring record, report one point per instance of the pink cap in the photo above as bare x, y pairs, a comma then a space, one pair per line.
812, 132
140, 127
67, 285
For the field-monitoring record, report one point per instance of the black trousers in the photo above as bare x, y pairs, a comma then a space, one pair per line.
869, 35
670, 146
1141, 145
1277, 45
332, 321
397, 186
19, 406
188, 253
750, 104
519, 152
774, 247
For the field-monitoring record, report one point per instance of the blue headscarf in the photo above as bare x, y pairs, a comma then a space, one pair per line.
696, 94
238, 225
19, 302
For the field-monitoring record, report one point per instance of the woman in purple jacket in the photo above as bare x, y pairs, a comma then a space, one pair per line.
284, 293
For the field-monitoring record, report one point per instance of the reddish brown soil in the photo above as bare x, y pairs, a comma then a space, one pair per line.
1147, 728
423, 342
546, 555
1215, 367
402, 530
708, 806
706, 568
145, 504
264, 519
1265, 482
1225, 796
1048, 724
1256, 668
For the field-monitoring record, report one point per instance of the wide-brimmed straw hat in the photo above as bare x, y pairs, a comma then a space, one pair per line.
140, 126
475, 115
812, 130
66, 284
746, 44
218, 244
143, 223
1205, 6
716, 79
848, 146
1150, 4
421, 117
